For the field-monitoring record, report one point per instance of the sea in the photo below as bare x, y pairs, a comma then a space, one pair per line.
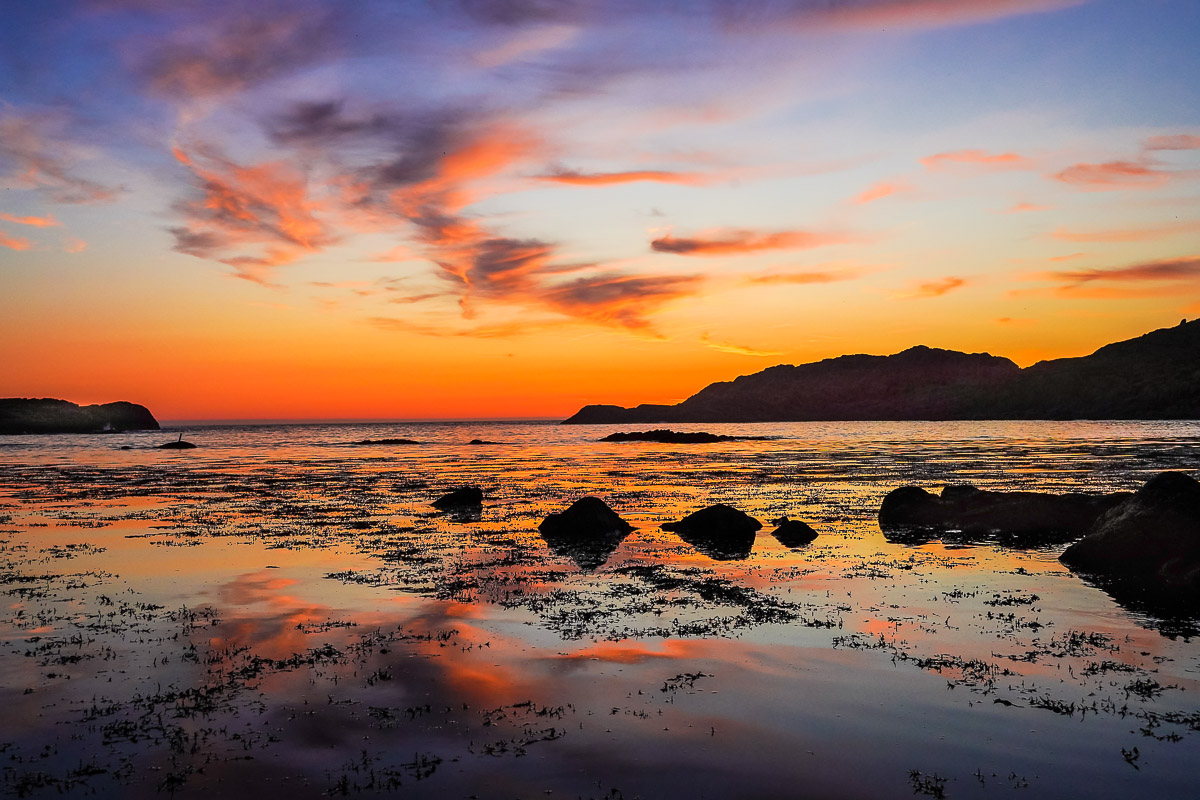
281, 611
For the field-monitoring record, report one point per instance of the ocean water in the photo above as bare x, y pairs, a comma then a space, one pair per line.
281, 610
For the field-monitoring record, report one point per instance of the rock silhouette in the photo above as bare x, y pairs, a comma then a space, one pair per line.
1142, 378
386, 441
587, 532
669, 437
462, 497
793, 533
721, 532
178, 444
911, 515
30, 416
1153, 537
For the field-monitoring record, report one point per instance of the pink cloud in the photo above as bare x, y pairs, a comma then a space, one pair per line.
1022, 208
37, 222
975, 158
1112, 175
881, 190
1180, 141
13, 243
609, 178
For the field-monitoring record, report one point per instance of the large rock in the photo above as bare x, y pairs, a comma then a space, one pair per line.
670, 437
910, 514
26, 415
793, 533
720, 532
462, 497
1152, 538
587, 532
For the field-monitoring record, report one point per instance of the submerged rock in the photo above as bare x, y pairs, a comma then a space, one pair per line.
481, 441
1152, 538
910, 514
793, 532
587, 532
463, 497
178, 444
669, 437
720, 532
386, 441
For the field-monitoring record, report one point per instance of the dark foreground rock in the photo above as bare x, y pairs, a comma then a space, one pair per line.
669, 437
1152, 538
587, 532
26, 415
386, 441
720, 532
793, 533
462, 497
910, 514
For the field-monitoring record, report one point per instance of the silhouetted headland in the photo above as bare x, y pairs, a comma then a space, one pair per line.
1150, 377
20, 415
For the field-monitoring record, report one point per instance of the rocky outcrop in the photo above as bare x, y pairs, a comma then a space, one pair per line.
29, 416
386, 441
462, 497
587, 532
793, 533
1149, 377
178, 444
720, 532
669, 437
910, 514
1152, 538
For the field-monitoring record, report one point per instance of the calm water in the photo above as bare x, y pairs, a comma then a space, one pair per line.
282, 611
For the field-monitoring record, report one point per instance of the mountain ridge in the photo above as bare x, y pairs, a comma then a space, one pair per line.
1152, 376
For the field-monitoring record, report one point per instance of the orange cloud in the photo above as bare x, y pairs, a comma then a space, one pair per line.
726, 347
37, 222
609, 178
1070, 257
879, 191
13, 243
935, 288
1180, 141
975, 158
1112, 175
623, 299
812, 276
75, 246
264, 208
1126, 234
722, 243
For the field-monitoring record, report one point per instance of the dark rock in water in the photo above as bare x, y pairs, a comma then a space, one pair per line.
793, 533
481, 441
177, 445
912, 515
462, 497
670, 437
720, 532
26, 415
587, 532
1153, 538
386, 441
126, 447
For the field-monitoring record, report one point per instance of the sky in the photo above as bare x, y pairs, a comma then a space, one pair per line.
512, 208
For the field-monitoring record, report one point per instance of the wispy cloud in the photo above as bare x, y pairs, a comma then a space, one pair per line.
1181, 141
1175, 269
1161, 278
623, 299
13, 243
1112, 175
1023, 208
978, 159
808, 276
609, 178
730, 242
38, 151
726, 347
934, 288
881, 190
37, 222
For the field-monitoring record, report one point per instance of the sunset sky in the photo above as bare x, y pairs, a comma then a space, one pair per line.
511, 208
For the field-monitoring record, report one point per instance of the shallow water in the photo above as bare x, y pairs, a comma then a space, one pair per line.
282, 610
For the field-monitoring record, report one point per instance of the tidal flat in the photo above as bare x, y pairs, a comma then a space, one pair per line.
282, 610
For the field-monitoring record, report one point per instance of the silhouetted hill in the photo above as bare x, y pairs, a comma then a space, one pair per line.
27, 415
1156, 376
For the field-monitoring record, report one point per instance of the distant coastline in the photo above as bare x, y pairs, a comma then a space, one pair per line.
1155, 376
27, 415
